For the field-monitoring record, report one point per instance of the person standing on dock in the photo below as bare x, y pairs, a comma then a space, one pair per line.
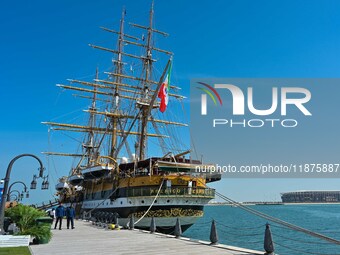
51, 213
59, 214
70, 214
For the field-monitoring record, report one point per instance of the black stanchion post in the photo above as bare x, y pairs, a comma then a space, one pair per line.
116, 221
213, 233
178, 228
132, 222
153, 225
268, 241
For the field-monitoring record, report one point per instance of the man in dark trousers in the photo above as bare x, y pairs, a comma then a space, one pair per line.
70, 214
59, 214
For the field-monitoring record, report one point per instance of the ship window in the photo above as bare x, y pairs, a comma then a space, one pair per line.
121, 202
129, 202
168, 201
142, 201
155, 201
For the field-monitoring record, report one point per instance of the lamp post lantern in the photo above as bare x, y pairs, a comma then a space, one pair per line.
24, 191
34, 182
19, 198
7, 178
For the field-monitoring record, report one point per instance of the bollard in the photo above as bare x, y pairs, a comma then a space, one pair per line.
116, 221
132, 222
99, 218
153, 225
110, 217
178, 229
268, 241
115, 218
105, 219
213, 233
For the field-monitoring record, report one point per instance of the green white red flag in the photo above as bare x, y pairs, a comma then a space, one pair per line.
163, 93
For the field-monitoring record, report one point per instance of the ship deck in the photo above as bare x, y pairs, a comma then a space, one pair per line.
89, 239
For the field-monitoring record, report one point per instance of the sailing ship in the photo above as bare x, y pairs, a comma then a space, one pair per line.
165, 186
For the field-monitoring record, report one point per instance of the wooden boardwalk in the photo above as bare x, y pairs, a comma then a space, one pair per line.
89, 239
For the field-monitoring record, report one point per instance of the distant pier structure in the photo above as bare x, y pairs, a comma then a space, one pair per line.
310, 196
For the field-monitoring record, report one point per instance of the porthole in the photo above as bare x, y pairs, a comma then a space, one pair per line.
168, 201
142, 201
121, 202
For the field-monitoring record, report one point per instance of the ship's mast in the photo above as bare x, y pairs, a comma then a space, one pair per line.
147, 62
118, 80
89, 144
113, 90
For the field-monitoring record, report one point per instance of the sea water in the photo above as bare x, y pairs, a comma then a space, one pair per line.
237, 227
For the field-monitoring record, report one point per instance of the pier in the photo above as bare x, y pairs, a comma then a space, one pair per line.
89, 239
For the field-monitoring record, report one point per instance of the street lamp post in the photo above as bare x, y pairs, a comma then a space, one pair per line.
10, 187
4, 194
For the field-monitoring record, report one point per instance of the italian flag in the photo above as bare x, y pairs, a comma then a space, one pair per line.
163, 93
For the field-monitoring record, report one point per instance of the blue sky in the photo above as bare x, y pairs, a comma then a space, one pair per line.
45, 42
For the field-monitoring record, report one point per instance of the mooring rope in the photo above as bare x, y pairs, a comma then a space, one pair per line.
151, 203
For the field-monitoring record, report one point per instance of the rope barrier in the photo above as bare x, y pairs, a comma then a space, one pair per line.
299, 240
325, 231
305, 252
247, 235
239, 228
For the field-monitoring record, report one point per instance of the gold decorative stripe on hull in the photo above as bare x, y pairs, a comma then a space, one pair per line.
173, 212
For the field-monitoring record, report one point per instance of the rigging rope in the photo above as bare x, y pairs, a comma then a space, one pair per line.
276, 220
273, 219
160, 187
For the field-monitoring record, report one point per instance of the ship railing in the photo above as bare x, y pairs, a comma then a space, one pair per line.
173, 191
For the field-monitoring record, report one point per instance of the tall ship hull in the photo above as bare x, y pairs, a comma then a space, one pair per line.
151, 182
165, 197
